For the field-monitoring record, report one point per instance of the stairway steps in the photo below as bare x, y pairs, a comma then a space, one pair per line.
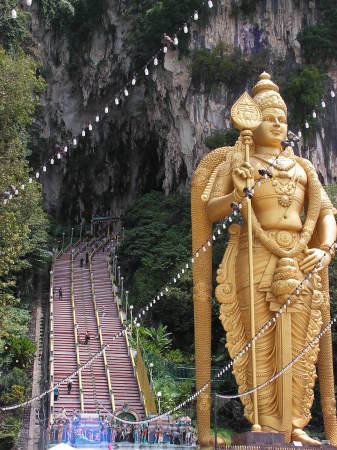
123, 381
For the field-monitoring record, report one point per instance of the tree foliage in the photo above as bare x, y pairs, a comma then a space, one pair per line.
12, 31
150, 19
319, 41
23, 229
243, 7
222, 138
225, 65
159, 336
304, 90
23, 224
157, 243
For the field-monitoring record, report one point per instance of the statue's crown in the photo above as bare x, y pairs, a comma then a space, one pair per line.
266, 93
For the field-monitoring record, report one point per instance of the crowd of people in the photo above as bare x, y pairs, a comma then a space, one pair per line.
74, 429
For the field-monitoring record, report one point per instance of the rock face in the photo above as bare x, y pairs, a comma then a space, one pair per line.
155, 139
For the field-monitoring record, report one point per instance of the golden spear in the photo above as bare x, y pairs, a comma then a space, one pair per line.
246, 117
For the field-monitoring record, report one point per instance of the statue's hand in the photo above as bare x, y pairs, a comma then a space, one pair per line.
314, 255
240, 176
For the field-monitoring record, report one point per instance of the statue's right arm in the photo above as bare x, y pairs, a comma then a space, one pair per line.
222, 195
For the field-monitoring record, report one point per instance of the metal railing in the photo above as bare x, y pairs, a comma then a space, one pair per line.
51, 345
106, 366
143, 382
138, 366
78, 360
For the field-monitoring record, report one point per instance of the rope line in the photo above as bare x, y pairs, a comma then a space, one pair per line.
204, 247
234, 396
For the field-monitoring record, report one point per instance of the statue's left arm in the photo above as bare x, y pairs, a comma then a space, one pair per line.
325, 236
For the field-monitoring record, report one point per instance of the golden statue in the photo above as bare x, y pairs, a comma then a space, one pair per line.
266, 259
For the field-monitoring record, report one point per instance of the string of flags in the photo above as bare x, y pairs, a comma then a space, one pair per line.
123, 93
225, 369
265, 174
314, 113
274, 377
166, 43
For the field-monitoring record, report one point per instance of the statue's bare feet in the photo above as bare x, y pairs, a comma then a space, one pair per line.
301, 436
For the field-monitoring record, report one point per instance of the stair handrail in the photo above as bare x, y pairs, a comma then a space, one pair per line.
138, 366
51, 346
149, 401
76, 335
106, 366
74, 245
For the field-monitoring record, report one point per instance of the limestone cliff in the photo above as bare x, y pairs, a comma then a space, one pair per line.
156, 138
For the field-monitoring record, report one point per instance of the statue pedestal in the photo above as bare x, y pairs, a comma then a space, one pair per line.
261, 439
267, 441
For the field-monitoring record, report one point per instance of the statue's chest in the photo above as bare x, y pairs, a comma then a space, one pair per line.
288, 181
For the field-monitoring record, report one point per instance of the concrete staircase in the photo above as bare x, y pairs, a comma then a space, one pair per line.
64, 341
96, 394
95, 387
123, 380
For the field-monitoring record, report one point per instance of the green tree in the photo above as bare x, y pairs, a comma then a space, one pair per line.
21, 350
160, 337
157, 243
23, 224
9, 430
223, 64
318, 41
12, 31
150, 19
304, 90
222, 138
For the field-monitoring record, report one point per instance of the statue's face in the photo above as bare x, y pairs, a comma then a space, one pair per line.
273, 129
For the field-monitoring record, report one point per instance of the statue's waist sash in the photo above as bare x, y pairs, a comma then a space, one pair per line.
285, 239
264, 261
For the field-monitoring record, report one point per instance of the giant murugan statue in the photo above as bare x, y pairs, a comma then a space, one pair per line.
287, 232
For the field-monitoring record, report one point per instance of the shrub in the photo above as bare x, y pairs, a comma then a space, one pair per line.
222, 138
243, 7
21, 349
150, 19
319, 41
9, 431
13, 377
304, 90
78, 19
16, 395
211, 67
175, 356
12, 31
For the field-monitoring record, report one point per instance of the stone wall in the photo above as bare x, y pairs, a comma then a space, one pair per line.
156, 139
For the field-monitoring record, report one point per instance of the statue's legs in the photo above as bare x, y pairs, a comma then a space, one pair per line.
306, 324
265, 345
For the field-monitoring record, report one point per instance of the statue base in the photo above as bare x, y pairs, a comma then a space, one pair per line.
266, 441
260, 439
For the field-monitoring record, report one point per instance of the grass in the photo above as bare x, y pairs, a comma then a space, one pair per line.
224, 433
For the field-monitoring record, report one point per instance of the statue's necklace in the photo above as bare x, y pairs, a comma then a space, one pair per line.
285, 189
313, 210
284, 184
280, 163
